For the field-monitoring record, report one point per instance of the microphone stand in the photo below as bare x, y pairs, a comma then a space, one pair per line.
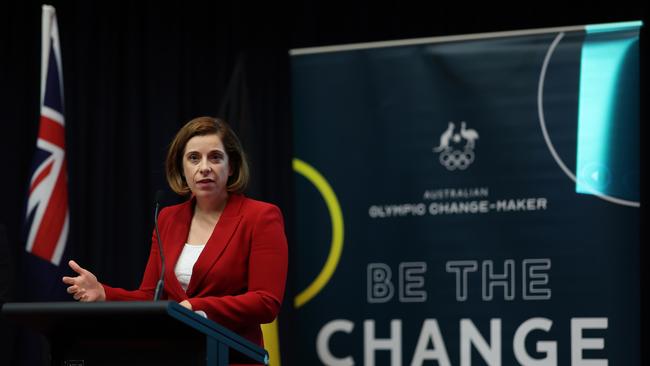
159, 285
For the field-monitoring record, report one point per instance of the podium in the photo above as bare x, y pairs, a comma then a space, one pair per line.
132, 333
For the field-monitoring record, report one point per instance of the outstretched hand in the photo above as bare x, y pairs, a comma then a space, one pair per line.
85, 286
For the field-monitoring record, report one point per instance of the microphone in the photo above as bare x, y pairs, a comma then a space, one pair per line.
159, 285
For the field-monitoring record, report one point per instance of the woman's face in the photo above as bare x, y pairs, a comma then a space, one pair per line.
206, 166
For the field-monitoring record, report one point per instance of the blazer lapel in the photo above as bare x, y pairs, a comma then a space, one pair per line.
217, 243
177, 234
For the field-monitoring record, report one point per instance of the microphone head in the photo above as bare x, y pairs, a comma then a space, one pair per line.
159, 195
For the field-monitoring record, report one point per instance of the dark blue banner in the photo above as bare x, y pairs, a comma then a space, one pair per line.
469, 200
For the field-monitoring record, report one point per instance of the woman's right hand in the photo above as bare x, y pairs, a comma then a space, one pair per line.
85, 286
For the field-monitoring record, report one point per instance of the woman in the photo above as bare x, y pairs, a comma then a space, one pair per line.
225, 254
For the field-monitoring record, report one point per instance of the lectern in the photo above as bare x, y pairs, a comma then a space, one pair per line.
132, 333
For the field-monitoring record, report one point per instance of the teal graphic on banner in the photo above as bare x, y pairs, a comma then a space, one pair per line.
609, 114
469, 202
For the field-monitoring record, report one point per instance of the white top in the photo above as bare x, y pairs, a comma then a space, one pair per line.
185, 263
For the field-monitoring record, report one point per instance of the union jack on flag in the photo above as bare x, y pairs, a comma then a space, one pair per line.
47, 217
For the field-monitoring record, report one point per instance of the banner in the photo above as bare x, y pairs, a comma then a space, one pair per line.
469, 200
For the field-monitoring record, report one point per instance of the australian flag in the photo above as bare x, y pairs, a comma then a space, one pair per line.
47, 214
47, 217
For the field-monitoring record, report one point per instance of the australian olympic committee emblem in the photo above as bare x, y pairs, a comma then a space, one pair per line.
453, 154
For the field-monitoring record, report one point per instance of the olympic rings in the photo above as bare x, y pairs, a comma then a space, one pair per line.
456, 159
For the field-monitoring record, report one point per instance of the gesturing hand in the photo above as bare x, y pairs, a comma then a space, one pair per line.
84, 287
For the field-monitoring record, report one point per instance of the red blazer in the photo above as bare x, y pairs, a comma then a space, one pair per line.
238, 279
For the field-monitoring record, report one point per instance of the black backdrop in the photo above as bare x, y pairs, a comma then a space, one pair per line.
134, 72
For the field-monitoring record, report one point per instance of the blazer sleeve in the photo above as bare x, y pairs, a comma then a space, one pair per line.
149, 280
267, 272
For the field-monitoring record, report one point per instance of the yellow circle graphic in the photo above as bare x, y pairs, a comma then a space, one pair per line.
336, 246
